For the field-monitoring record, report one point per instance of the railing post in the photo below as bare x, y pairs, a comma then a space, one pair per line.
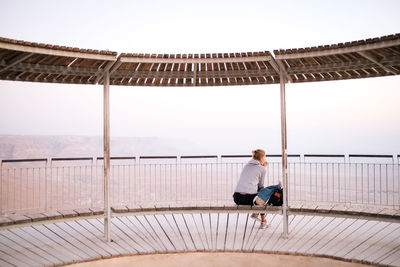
46, 178
178, 172
106, 139
284, 155
1, 188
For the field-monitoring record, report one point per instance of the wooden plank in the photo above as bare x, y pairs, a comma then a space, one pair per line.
140, 229
263, 234
240, 230
318, 232
57, 241
172, 221
329, 234
52, 215
144, 222
83, 212
97, 238
369, 245
136, 236
97, 211
280, 237
295, 224
200, 230
4, 263
307, 231
18, 219
72, 238
4, 221
342, 238
394, 259
15, 246
381, 248
90, 242
230, 231
186, 234
193, 231
96, 227
10, 259
252, 227
205, 224
355, 238
44, 248
121, 237
273, 232
165, 231
196, 225
167, 222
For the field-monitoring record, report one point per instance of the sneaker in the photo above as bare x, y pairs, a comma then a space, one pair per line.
259, 201
263, 225
254, 216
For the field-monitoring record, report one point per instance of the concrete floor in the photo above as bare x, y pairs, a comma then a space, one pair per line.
217, 259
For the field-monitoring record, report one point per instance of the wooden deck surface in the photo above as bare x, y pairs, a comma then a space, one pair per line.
80, 239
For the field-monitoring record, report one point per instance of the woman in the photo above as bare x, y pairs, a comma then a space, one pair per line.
250, 182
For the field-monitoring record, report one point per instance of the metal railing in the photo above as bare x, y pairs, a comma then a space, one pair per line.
39, 185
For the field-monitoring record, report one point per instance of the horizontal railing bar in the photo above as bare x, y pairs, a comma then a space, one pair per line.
323, 156
116, 158
369, 156
157, 157
71, 159
21, 160
279, 155
235, 156
268, 156
199, 157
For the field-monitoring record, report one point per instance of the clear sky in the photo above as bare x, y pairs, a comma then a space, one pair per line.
355, 116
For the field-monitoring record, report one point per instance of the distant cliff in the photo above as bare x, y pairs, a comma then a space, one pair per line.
24, 146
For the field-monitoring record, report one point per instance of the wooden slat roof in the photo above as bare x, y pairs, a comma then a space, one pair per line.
35, 62
358, 59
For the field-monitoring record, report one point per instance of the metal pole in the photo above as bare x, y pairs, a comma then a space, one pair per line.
106, 137
284, 155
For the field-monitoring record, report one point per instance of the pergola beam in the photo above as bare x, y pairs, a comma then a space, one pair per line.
194, 60
376, 61
15, 61
191, 74
283, 71
51, 69
54, 52
106, 69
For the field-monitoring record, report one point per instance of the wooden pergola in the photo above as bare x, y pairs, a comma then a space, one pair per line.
34, 62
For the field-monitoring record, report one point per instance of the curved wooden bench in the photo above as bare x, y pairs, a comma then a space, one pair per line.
376, 214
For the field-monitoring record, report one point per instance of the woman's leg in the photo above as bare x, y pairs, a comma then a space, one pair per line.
246, 199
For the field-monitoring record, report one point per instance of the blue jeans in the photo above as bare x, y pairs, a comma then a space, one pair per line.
267, 192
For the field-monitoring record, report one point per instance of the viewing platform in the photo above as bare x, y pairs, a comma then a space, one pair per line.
363, 227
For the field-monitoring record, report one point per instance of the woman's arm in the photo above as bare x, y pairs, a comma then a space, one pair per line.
261, 179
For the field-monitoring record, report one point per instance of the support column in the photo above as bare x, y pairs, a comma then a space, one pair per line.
106, 138
284, 155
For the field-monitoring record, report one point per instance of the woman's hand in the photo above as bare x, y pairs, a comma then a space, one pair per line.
265, 164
